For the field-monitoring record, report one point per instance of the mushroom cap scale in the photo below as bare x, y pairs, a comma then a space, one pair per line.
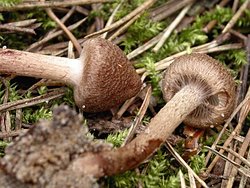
108, 77
210, 76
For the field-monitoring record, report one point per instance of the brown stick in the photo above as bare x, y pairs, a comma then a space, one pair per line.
123, 20
51, 4
65, 29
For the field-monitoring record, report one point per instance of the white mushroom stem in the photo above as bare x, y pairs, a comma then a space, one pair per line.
139, 149
41, 66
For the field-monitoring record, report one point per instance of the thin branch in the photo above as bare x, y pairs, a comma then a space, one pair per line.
245, 161
139, 117
231, 136
236, 16
51, 4
65, 29
32, 101
123, 20
17, 29
180, 160
241, 169
111, 18
53, 35
124, 27
10, 134
212, 23
171, 27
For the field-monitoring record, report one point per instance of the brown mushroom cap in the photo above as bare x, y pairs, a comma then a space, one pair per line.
212, 77
108, 77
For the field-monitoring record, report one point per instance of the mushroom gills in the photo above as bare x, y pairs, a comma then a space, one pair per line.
212, 78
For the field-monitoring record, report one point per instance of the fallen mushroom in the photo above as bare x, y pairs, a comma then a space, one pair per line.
102, 77
202, 94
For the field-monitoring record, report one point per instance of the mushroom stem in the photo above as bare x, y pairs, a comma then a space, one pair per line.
41, 66
139, 149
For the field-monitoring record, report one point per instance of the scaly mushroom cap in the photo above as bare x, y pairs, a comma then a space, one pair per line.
212, 77
108, 78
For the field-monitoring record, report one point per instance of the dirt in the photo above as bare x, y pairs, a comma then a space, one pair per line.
43, 156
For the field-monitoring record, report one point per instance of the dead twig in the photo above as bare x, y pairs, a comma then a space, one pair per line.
236, 131
53, 35
182, 162
236, 16
123, 20
240, 168
212, 23
51, 4
10, 134
139, 117
171, 27
65, 29
111, 18
32, 101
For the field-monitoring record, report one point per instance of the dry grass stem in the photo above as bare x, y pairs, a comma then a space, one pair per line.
228, 166
221, 48
241, 169
145, 46
71, 54
236, 16
171, 28
168, 9
163, 64
17, 29
125, 19
51, 4
139, 116
236, 131
123, 28
63, 20
182, 179
111, 18
31, 101
55, 34
65, 29
191, 179
212, 23
235, 5
241, 151
182, 162
243, 160
243, 180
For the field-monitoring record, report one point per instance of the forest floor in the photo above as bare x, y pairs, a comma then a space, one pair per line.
44, 143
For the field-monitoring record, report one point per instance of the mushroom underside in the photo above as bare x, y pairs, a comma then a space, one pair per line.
217, 84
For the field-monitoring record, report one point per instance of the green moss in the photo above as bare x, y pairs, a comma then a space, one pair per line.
3, 145
8, 3
198, 163
117, 138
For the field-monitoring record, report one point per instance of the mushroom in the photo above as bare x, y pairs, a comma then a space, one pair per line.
102, 77
200, 92
215, 86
